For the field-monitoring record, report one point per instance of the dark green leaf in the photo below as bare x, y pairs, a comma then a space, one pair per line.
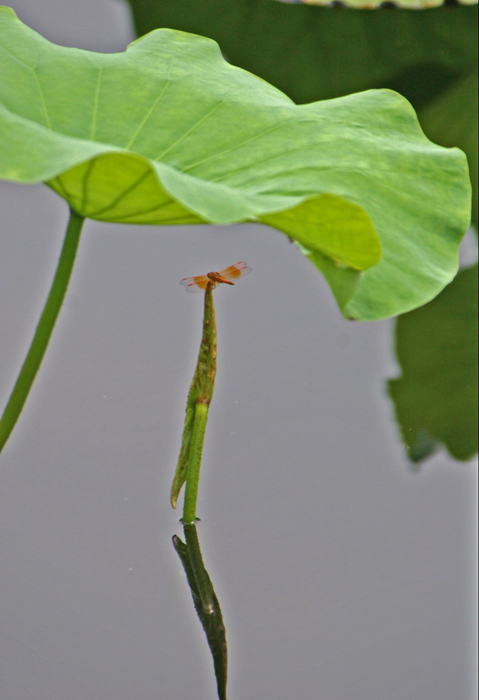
436, 396
314, 53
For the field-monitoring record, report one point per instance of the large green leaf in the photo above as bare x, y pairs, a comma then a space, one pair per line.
436, 396
168, 132
314, 53
451, 120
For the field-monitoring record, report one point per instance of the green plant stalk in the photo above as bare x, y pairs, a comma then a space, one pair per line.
44, 329
205, 601
194, 462
205, 588
199, 399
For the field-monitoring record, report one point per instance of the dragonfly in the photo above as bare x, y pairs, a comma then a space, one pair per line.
201, 389
201, 282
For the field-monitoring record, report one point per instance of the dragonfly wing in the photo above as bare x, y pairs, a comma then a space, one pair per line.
234, 272
196, 287
199, 283
195, 284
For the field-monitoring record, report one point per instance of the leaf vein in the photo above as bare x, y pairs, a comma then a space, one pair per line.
42, 99
85, 180
95, 105
240, 145
122, 194
184, 218
152, 108
192, 129
61, 186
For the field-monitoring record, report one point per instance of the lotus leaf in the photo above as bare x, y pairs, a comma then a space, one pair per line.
170, 133
317, 53
436, 396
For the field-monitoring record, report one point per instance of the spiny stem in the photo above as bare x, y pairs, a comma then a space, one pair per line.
44, 329
194, 462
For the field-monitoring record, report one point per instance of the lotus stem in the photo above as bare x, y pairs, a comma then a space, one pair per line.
196, 449
44, 329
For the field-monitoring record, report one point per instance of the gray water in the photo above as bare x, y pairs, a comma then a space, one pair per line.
342, 574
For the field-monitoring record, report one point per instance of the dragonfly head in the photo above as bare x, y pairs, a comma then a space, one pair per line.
217, 278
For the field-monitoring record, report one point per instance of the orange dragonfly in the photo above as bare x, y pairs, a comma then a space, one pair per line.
199, 283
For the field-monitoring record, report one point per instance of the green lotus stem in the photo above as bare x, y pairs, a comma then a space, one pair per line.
203, 581
44, 329
205, 601
193, 474
199, 398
